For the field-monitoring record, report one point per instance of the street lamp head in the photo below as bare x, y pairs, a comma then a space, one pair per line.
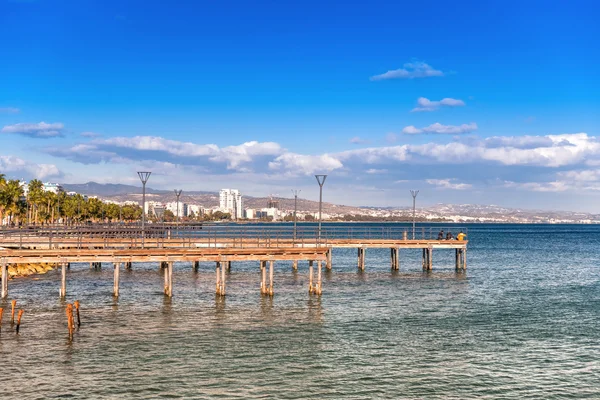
144, 176
321, 179
414, 193
177, 192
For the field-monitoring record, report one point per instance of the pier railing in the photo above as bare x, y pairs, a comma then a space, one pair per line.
210, 235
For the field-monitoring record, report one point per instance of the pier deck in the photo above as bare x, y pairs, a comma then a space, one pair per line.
220, 244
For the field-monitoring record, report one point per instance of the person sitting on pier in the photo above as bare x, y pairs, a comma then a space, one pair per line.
449, 236
461, 236
441, 235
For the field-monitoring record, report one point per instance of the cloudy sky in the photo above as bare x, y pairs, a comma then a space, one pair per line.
469, 102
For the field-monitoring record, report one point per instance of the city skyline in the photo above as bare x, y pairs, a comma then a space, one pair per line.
263, 97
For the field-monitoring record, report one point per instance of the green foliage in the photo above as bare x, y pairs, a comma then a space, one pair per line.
41, 207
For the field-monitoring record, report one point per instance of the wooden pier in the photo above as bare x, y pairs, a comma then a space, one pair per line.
123, 247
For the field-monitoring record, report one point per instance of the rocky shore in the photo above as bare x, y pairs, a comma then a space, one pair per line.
22, 270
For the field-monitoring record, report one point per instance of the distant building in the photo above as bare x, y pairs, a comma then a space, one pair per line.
53, 188
183, 208
230, 200
195, 209
250, 213
150, 205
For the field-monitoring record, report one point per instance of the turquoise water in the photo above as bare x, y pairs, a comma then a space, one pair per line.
522, 322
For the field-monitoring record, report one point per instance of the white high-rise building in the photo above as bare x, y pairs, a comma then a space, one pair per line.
230, 200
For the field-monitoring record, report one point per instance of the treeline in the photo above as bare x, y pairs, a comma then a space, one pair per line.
42, 207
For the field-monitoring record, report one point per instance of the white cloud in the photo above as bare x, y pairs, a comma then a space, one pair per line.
424, 104
358, 140
39, 130
91, 135
449, 184
305, 164
441, 129
373, 171
415, 69
17, 167
391, 137
9, 110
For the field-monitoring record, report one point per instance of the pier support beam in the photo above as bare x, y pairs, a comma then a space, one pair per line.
427, 259
168, 274
319, 286
196, 266
117, 267
361, 258
295, 265
63, 281
128, 265
4, 280
263, 280
461, 259
271, 278
395, 258
311, 288
220, 267
329, 259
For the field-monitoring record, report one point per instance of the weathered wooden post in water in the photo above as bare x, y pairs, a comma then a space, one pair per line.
361, 258
76, 304
69, 313
395, 258
117, 268
168, 274
63, 282
4, 279
1, 314
263, 279
310, 277
270, 278
19, 320
329, 263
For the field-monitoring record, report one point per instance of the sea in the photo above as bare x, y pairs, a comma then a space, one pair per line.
523, 322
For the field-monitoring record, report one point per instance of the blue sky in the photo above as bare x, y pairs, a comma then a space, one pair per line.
471, 102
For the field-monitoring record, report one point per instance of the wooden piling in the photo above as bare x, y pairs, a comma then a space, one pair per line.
13, 304
329, 263
117, 267
456, 259
464, 258
1, 314
270, 278
196, 266
76, 304
424, 260
394, 258
19, 320
128, 265
310, 277
4, 279
223, 278
69, 313
166, 280
169, 279
429, 259
295, 265
63, 282
361, 258
263, 282
319, 281
218, 276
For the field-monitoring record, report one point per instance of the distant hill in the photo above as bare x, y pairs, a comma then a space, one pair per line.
106, 189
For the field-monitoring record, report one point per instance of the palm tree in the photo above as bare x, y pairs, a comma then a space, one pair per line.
35, 198
3, 201
13, 193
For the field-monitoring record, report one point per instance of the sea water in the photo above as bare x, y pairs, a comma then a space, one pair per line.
523, 322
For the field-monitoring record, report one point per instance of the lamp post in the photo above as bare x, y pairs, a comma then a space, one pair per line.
414, 194
295, 192
144, 178
321, 181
